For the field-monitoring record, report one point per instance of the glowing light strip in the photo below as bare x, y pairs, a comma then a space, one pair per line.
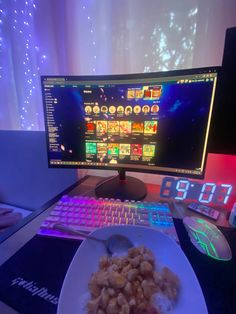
208, 123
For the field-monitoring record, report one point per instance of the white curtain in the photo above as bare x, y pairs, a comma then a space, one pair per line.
63, 37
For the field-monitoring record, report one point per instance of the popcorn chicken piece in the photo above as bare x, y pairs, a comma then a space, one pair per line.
140, 278
104, 298
104, 262
112, 307
148, 257
128, 288
170, 283
169, 276
121, 300
125, 309
148, 287
93, 305
135, 285
116, 280
145, 268
126, 269
133, 252
124, 261
132, 302
94, 287
112, 267
141, 307
101, 278
111, 292
132, 274
136, 261
139, 295
115, 261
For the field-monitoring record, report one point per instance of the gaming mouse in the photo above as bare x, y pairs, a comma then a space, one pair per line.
207, 238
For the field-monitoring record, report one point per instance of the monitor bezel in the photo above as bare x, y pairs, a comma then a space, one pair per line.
114, 77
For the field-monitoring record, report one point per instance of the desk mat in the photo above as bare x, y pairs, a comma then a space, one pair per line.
217, 278
31, 280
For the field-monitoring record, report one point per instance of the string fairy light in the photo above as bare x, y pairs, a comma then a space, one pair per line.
27, 60
26, 56
2, 15
93, 41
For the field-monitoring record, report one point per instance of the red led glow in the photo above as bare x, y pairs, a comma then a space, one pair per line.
221, 169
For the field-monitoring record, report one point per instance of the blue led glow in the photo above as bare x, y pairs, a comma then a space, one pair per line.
184, 189
206, 191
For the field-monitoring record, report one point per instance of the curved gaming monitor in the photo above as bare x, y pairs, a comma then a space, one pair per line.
149, 122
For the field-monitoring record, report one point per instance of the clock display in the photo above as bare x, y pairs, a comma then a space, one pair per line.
184, 189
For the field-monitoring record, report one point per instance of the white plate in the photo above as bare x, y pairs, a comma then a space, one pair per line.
166, 252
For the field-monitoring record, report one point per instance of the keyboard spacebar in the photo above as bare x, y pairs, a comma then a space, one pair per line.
86, 229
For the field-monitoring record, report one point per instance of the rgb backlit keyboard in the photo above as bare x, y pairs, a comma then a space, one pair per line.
87, 214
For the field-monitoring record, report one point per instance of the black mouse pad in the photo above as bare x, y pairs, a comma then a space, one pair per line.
217, 278
31, 280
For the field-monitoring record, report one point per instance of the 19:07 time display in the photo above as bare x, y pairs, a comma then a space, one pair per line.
184, 189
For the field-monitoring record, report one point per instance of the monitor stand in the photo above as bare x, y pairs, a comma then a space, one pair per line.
121, 187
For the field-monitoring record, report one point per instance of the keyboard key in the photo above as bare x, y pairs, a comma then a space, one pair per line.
142, 211
130, 221
123, 221
55, 213
142, 223
116, 220
53, 219
46, 224
143, 216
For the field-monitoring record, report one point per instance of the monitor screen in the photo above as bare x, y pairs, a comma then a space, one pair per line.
149, 122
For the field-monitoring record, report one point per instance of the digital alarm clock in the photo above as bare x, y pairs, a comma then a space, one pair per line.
184, 189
